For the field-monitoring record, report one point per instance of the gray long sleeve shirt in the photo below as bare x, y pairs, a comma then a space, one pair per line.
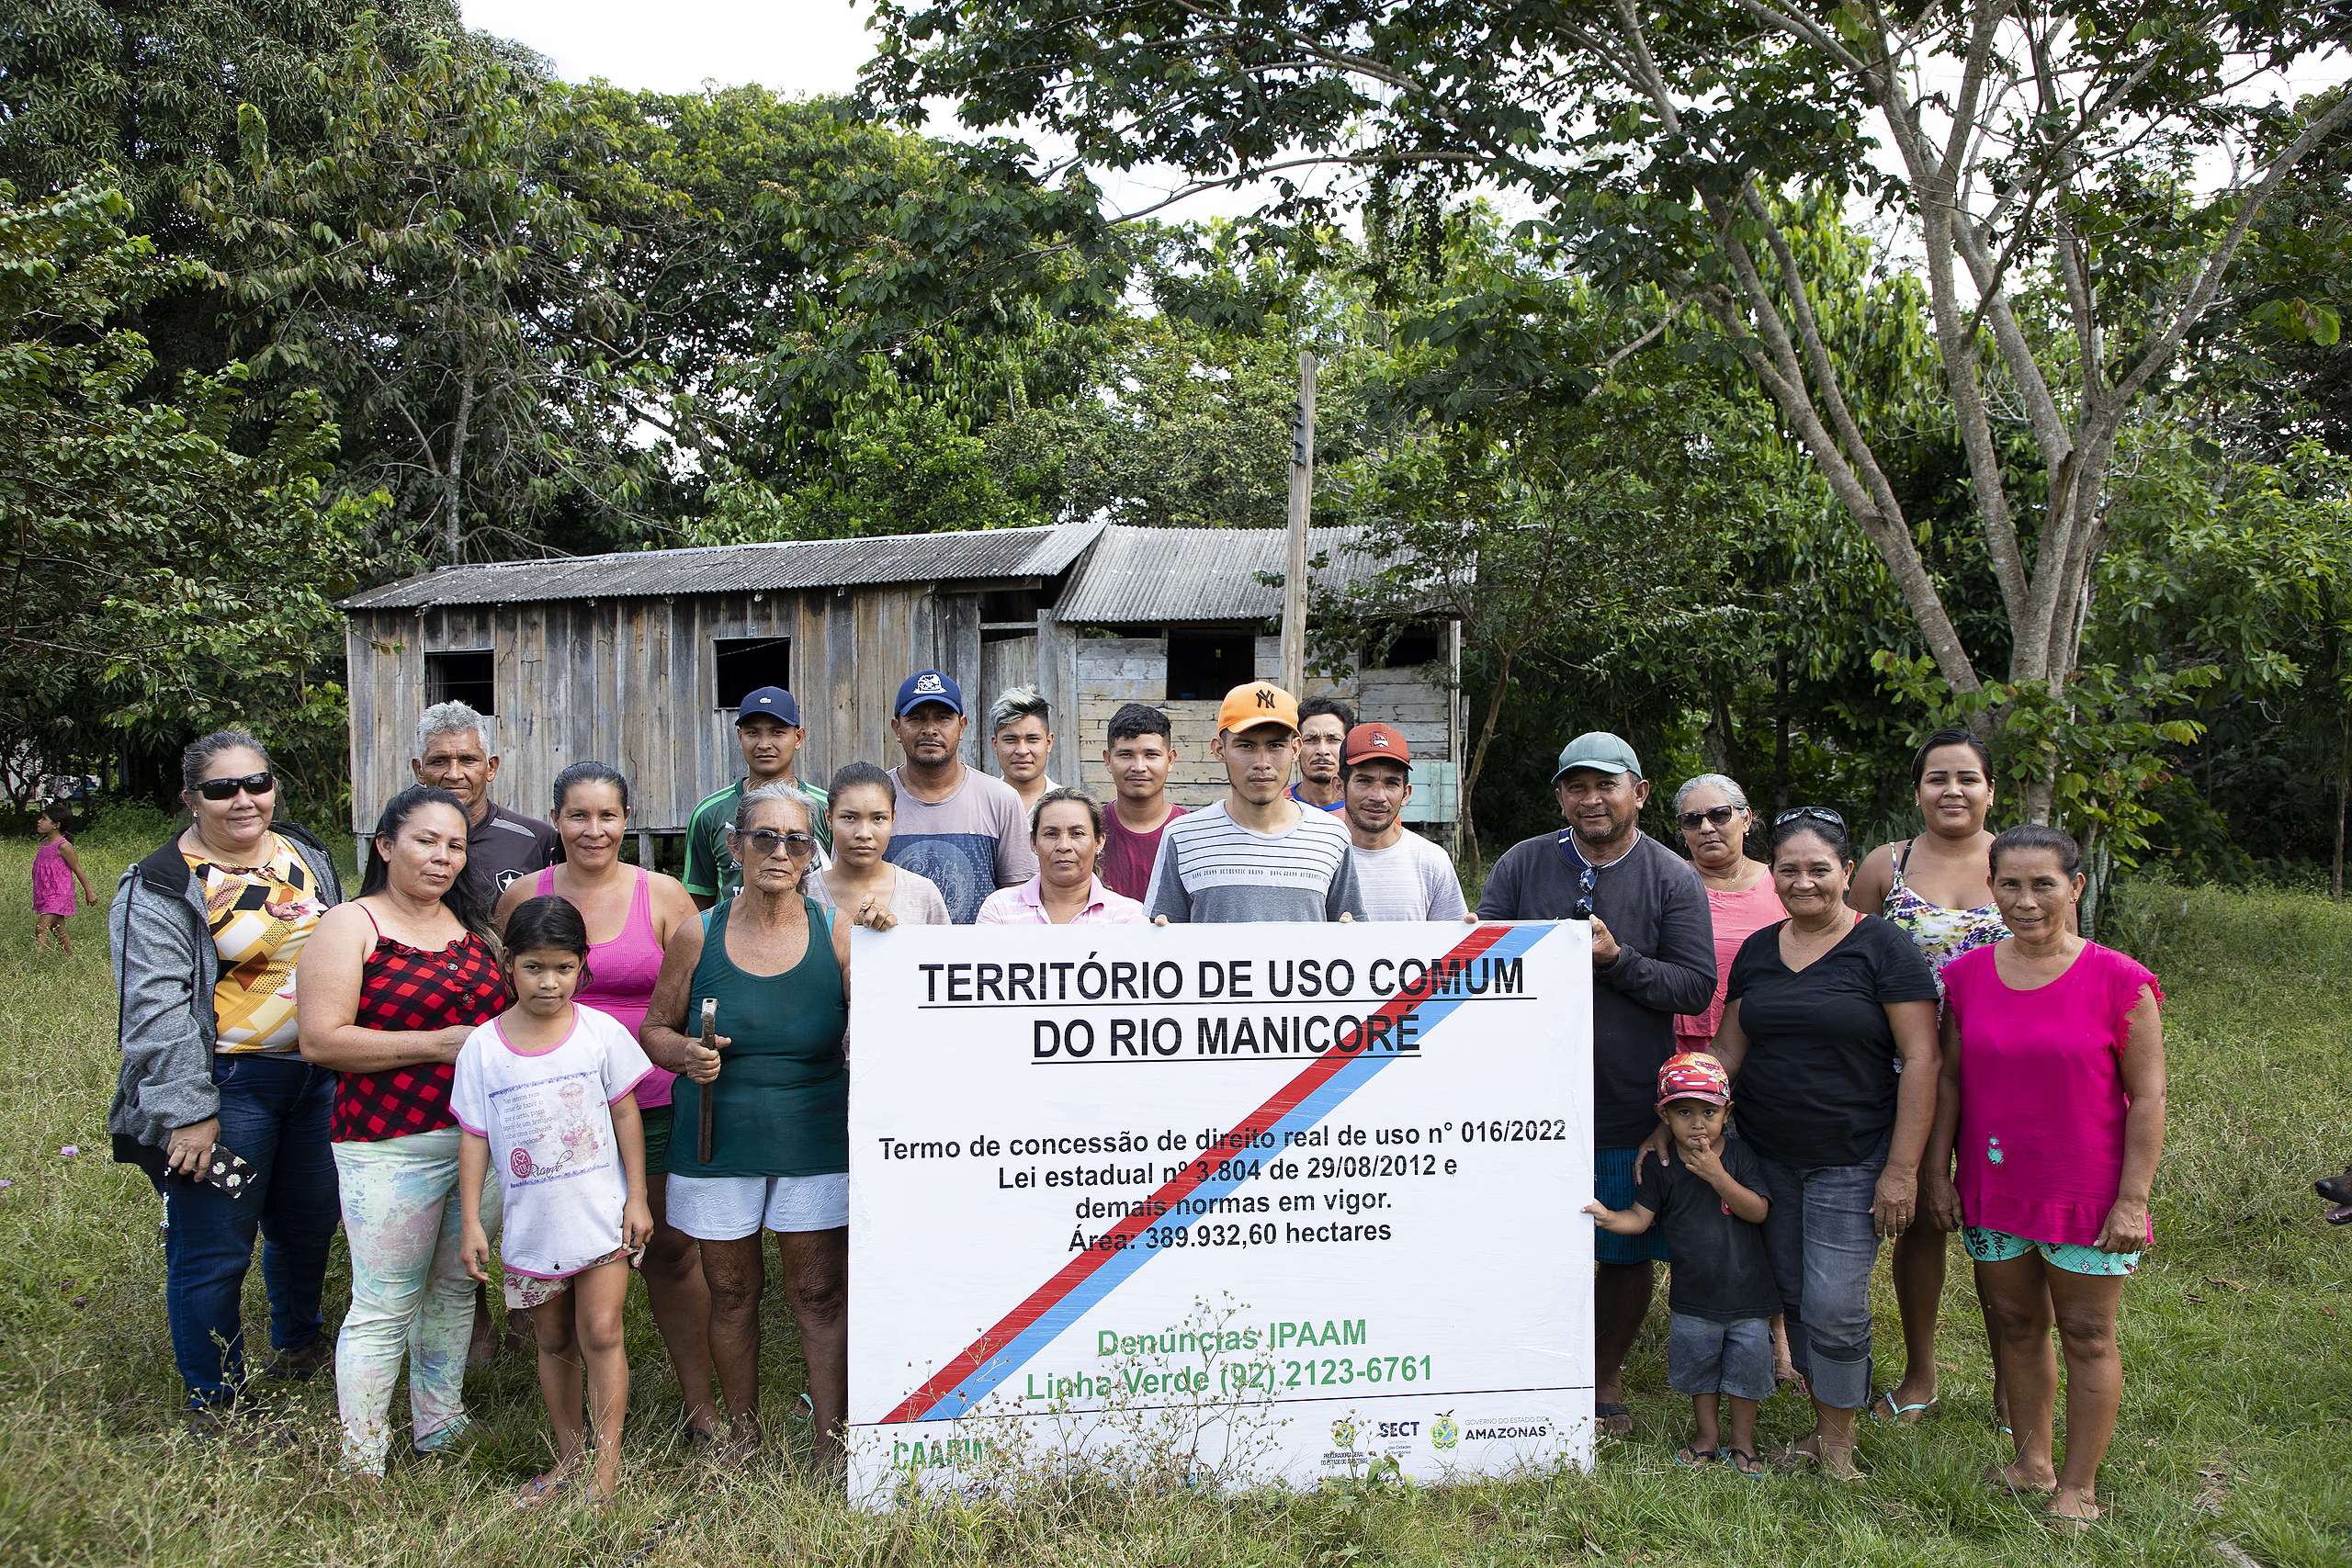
165, 967
1657, 908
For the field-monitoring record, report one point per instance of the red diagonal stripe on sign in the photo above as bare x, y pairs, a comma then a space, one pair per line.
1076, 1272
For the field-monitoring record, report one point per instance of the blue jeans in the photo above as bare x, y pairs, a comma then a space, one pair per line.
1823, 1246
273, 1115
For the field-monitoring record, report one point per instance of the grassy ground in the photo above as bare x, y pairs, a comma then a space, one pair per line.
2237, 1342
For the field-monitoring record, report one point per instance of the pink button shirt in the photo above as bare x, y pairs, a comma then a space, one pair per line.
1021, 907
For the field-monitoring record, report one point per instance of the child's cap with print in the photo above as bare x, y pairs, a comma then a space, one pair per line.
1693, 1075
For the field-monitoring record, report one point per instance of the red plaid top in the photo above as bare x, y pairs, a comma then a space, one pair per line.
405, 987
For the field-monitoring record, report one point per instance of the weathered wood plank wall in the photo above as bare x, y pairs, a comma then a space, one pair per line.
633, 682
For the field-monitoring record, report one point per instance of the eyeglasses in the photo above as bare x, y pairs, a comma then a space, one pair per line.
764, 842
226, 789
1809, 813
1718, 815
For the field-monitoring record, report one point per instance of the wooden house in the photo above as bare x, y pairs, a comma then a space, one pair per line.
640, 658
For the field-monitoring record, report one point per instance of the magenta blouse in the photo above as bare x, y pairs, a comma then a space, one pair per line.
2042, 1099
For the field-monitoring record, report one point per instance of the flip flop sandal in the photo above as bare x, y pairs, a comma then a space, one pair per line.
1899, 1414
1690, 1458
539, 1489
2072, 1523
1613, 1419
1743, 1464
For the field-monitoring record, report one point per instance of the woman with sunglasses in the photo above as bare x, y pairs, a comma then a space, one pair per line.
394, 982
776, 1080
1938, 889
1819, 1006
1713, 812
208, 933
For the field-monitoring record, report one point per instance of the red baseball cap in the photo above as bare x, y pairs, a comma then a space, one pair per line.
1693, 1075
1367, 741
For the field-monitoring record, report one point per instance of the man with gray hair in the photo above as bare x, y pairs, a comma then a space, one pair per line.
1021, 728
457, 749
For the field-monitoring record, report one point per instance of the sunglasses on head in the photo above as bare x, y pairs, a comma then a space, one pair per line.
1809, 813
1718, 815
762, 843
226, 788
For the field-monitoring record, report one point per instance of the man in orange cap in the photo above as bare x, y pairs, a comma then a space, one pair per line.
1257, 855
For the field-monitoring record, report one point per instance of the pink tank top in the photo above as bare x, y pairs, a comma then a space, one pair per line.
2041, 1101
621, 975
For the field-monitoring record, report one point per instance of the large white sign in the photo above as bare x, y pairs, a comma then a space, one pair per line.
1221, 1203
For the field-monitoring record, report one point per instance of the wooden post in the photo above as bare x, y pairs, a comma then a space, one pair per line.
1302, 493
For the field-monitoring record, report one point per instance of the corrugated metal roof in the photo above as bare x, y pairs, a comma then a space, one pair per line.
979, 554
1138, 576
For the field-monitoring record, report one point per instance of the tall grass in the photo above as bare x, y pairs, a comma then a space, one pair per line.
2237, 1340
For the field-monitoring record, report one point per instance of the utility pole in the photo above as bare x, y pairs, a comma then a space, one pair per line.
1302, 494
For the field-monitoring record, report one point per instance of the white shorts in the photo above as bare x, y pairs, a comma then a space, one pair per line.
728, 1208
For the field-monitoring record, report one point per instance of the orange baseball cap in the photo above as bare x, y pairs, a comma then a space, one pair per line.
1259, 703
1367, 741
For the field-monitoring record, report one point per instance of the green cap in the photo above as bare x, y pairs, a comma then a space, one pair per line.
1598, 749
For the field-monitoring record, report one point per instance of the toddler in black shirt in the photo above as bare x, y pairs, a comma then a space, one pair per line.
1707, 1192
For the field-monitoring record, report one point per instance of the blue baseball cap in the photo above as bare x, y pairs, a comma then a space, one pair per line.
928, 686
774, 701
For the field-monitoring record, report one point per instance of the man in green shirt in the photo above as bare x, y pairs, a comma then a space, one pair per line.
768, 728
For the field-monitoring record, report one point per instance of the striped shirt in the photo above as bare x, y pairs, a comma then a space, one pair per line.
1211, 869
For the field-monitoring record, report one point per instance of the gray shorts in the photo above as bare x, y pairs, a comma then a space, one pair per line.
1706, 1357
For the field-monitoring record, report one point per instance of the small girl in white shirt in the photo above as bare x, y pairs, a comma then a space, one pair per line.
546, 1090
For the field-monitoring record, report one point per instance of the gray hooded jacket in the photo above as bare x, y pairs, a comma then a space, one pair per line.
165, 969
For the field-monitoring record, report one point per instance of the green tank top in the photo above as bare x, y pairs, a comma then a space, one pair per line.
781, 1103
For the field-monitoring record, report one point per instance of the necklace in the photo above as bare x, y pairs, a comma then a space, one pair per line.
1809, 947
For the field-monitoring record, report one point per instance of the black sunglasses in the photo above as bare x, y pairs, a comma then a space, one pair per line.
1812, 813
261, 782
1582, 909
1718, 815
764, 841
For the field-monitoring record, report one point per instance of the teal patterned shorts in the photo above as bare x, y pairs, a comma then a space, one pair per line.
1988, 1245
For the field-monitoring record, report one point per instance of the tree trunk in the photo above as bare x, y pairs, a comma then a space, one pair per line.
1780, 734
453, 477
1477, 763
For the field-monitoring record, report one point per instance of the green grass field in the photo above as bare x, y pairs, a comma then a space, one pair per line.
2237, 1334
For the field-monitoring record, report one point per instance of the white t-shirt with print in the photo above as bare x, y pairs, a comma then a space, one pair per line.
549, 1125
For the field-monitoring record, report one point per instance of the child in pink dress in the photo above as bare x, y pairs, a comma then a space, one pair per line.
56, 871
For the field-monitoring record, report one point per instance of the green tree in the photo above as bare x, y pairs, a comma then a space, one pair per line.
143, 96
2030, 150
827, 297
424, 269
160, 580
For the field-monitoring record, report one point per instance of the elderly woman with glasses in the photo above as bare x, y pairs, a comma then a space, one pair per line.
1713, 813
772, 966
1819, 1008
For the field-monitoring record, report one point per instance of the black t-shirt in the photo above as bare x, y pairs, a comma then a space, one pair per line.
1818, 1086
508, 845
1720, 1272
